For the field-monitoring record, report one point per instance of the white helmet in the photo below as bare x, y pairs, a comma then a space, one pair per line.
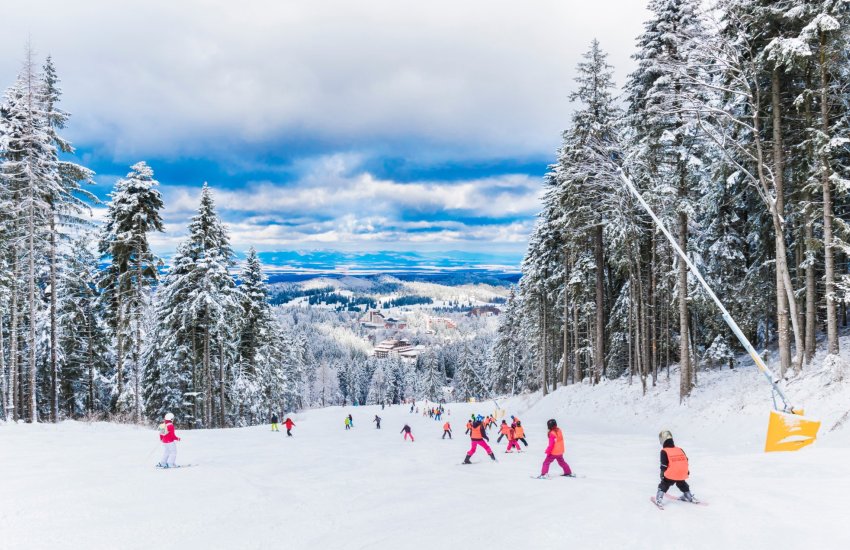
664, 436
169, 416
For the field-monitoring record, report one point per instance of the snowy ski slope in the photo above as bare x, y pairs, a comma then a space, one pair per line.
94, 486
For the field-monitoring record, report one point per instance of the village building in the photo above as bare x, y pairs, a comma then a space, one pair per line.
484, 311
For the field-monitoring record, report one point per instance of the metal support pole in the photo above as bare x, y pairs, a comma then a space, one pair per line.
771, 377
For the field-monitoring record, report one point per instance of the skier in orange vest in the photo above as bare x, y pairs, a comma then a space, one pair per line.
674, 469
504, 431
555, 451
447, 430
520, 433
478, 434
512, 442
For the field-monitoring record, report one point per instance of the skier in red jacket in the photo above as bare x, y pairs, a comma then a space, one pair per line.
289, 425
169, 442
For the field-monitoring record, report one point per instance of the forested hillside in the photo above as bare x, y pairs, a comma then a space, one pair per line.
734, 127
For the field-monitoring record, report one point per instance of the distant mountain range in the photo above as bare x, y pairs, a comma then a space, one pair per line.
325, 262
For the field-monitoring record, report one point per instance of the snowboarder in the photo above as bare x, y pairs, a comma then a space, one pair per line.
274, 422
347, 423
289, 425
447, 430
377, 422
504, 431
520, 433
169, 442
407, 433
555, 450
478, 434
674, 469
512, 442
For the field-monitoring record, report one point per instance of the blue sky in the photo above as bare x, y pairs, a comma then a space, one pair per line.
335, 125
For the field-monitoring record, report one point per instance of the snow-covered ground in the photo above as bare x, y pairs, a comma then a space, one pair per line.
77, 485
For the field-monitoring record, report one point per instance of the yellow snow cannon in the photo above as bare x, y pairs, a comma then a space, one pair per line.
790, 431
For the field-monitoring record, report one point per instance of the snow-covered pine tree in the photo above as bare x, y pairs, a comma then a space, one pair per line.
133, 212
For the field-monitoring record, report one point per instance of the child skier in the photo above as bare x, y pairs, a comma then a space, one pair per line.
674, 469
169, 442
447, 430
350, 421
377, 421
274, 422
520, 433
504, 431
468, 427
555, 450
289, 425
478, 434
512, 442
407, 433
347, 423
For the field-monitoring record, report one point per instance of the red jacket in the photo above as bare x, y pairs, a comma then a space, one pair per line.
169, 436
289, 423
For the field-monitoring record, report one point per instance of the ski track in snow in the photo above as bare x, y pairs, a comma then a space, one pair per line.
92, 486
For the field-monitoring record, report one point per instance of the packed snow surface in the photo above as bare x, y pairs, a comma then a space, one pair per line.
91, 486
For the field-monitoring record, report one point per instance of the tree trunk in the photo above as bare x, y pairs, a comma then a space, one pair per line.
653, 336
599, 348
137, 341
14, 382
3, 384
783, 337
33, 308
119, 343
543, 355
208, 396
684, 353
577, 376
828, 252
54, 364
565, 370
221, 409
90, 350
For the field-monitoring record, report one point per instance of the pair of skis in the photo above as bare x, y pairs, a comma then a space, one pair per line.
671, 497
161, 467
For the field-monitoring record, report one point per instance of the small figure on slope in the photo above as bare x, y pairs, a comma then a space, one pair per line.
350, 420
274, 422
468, 427
555, 450
504, 431
674, 469
377, 422
407, 433
169, 442
289, 425
447, 430
512, 440
347, 423
478, 434
520, 433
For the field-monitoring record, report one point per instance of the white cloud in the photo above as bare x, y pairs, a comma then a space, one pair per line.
436, 79
339, 204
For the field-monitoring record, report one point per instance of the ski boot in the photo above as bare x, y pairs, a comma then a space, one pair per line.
466, 460
659, 499
493, 457
689, 497
568, 475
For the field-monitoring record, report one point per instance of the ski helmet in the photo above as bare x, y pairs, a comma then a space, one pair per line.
664, 436
551, 423
169, 416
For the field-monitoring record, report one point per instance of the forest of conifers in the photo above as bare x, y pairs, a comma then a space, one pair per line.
734, 127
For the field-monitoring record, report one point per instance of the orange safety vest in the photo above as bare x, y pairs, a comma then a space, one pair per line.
677, 464
520, 432
446, 426
476, 432
558, 447
505, 429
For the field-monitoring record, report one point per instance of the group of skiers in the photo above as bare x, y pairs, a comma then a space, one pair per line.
675, 468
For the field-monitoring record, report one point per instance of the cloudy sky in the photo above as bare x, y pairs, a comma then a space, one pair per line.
338, 125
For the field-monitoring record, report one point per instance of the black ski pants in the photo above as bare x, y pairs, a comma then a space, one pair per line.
447, 432
667, 483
